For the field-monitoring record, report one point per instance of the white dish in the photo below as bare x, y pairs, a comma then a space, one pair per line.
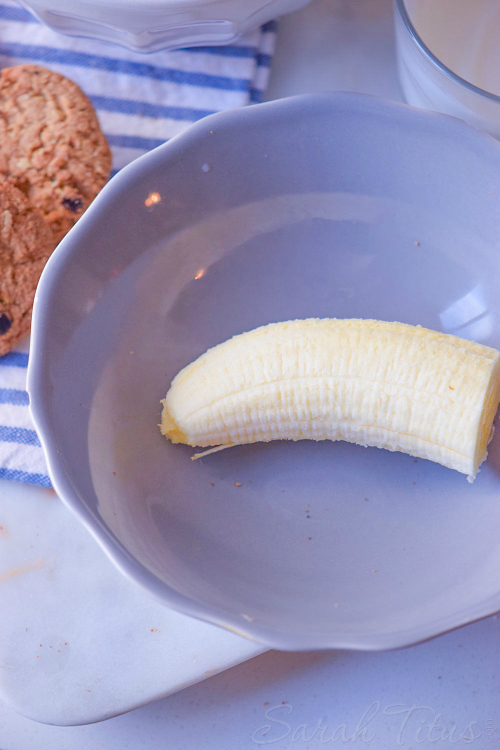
149, 25
324, 206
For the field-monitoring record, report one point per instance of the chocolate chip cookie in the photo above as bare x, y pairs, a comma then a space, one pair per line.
26, 242
51, 145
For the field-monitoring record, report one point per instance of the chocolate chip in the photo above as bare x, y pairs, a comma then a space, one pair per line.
73, 204
5, 323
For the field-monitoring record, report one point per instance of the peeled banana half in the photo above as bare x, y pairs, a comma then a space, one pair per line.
390, 385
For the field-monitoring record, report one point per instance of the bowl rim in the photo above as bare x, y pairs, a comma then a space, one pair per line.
400, 6
38, 384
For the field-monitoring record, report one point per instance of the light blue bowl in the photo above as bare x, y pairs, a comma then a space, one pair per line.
334, 205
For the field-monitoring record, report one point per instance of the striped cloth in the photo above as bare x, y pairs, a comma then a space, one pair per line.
141, 101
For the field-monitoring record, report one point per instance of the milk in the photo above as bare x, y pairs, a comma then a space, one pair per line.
465, 36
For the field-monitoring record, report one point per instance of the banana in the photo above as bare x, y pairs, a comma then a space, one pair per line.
391, 385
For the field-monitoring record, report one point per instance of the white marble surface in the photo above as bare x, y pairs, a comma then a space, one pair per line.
78, 641
343, 45
452, 680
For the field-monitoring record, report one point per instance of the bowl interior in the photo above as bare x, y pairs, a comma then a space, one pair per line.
334, 206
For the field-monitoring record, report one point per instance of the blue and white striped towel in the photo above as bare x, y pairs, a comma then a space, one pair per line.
141, 101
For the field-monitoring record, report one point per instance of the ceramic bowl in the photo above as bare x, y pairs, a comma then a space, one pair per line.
150, 25
335, 205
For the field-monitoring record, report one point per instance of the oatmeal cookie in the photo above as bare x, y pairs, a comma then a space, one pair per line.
26, 242
51, 145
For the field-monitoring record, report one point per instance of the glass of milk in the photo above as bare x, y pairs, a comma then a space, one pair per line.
449, 58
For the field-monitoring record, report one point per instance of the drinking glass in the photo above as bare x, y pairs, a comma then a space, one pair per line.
448, 54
